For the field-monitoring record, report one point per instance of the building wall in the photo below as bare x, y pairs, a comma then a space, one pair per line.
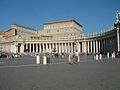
60, 37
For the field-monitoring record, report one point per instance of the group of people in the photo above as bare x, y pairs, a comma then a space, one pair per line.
73, 58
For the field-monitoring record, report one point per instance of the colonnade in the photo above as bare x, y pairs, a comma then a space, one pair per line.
37, 47
102, 45
89, 46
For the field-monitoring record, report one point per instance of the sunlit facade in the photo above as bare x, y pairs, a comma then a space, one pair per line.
64, 36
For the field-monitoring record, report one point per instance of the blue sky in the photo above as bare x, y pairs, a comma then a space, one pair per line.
94, 15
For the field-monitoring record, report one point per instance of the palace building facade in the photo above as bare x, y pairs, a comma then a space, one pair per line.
61, 37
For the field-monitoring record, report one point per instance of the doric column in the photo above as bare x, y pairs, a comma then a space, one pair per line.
65, 48
62, 48
33, 47
14, 48
40, 47
88, 46
37, 47
107, 44
59, 48
102, 45
27, 47
53, 46
78, 47
118, 39
43, 47
30, 47
96, 46
91, 48
71, 47
68, 47
46, 47
84, 47
56, 46
22, 48
50, 47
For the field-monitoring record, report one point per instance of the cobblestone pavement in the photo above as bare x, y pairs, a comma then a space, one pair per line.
23, 74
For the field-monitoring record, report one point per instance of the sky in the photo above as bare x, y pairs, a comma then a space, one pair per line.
93, 15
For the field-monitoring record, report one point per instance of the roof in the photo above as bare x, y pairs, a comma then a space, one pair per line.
24, 26
61, 21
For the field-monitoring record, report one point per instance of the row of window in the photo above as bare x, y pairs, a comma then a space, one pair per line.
41, 38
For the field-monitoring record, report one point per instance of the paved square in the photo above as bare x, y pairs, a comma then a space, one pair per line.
86, 75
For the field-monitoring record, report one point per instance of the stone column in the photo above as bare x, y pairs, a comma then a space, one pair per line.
39, 47
96, 46
99, 45
118, 39
30, 47
88, 47
53, 46
91, 47
46, 47
62, 48
22, 48
50, 47
27, 47
56, 46
59, 48
14, 47
105, 45
108, 44
17, 49
33, 47
71, 47
65, 49
43, 47
68, 47
75, 46
78, 47
103, 42
84, 47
